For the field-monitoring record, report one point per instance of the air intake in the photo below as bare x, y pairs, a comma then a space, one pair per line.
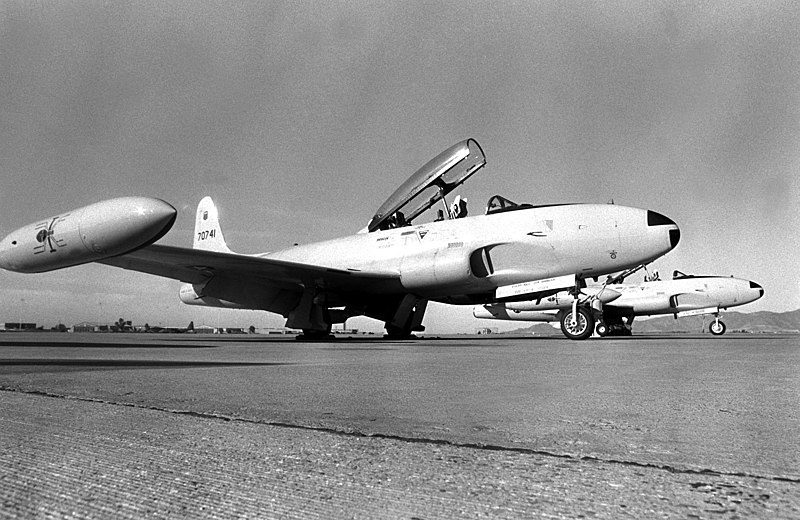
674, 237
657, 219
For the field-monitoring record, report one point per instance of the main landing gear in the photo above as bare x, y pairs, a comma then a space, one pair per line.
312, 335
405, 317
612, 325
601, 329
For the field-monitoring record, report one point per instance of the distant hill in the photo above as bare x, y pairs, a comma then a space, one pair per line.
763, 321
539, 329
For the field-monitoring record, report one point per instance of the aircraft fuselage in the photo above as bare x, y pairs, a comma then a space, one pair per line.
675, 296
454, 260
685, 295
388, 272
457, 261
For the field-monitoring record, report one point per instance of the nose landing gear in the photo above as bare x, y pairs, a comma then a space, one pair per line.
717, 327
577, 323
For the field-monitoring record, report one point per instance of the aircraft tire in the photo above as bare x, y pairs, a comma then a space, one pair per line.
393, 332
312, 335
584, 327
601, 329
717, 328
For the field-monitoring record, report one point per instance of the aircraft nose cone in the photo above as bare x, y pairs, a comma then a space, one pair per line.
760, 289
657, 219
604, 294
609, 295
5, 252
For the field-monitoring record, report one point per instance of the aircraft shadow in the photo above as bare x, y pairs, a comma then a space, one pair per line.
104, 344
115, 364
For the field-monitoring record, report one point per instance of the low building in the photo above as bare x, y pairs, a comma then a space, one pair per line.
19, 326
204, 329
85, 327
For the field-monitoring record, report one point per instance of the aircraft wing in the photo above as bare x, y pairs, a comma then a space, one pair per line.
197, 266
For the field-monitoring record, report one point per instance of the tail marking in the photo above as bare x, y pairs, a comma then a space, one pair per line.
207, 231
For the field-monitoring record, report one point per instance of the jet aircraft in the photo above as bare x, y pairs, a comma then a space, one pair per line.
684, 295
388, 271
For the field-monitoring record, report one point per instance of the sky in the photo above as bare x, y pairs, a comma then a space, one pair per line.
300, 118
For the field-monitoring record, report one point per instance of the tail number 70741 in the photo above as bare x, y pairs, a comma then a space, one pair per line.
202, 235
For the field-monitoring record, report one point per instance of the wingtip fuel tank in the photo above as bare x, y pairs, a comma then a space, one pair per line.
87, 234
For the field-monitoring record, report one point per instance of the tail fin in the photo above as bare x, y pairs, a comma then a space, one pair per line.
207, 231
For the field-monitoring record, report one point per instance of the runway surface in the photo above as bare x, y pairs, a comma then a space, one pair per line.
499, 427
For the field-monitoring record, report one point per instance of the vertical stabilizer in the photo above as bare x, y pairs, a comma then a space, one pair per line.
207, 232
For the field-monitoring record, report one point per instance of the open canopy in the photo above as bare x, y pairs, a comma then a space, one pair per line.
429, 184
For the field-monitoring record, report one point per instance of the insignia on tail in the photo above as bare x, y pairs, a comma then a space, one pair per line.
207, 231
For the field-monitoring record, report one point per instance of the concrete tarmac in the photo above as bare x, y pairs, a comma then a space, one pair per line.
203, 426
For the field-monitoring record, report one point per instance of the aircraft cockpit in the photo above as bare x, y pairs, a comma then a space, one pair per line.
652, 277
430, 184
677, 275
498, 204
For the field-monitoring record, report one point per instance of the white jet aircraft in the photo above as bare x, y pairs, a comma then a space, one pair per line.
684, 295
388, 271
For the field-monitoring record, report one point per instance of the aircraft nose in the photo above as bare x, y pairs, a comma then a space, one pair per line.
5, 251
757, 287
657, 219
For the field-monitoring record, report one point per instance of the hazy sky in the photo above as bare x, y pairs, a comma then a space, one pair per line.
301, 118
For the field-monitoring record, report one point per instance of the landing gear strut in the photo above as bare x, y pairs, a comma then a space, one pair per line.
577, 323
717, 327
407, 318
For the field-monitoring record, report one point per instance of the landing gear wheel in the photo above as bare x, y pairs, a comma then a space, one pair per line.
583, 327
717, 328
393, 332
312, 335
601, 329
